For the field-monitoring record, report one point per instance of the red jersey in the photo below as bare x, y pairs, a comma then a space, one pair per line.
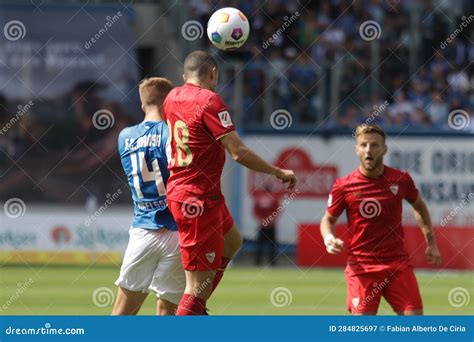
196, 119
374, 216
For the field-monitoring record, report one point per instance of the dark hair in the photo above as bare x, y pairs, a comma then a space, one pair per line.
199, 63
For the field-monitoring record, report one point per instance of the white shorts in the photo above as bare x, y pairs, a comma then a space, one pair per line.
152, 262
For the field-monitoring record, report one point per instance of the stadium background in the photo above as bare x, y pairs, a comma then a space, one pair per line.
310, 72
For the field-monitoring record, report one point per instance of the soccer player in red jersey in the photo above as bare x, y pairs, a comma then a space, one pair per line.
201, 130
378, 264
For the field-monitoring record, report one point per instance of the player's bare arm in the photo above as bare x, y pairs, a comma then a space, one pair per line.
423, 219
328, 231
246, 157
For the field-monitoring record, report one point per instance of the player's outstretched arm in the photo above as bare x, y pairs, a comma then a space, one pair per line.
328, 229
423, 219
246, 157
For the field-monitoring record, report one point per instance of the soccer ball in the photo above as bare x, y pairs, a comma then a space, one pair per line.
228, 28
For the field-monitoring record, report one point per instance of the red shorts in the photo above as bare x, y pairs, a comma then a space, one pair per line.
201, 227
397, 285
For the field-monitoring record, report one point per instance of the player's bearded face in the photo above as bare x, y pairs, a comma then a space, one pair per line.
370, 149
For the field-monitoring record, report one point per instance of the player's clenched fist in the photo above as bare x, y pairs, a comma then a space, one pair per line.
333, 244
432, 255
287, 176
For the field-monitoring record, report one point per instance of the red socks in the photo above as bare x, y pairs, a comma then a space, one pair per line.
190, 305
220, 272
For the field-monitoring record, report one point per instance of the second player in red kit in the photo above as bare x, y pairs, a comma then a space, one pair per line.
378, 264
200, 131
372, 204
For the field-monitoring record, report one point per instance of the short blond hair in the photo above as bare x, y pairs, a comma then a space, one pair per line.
369, 128
154, 90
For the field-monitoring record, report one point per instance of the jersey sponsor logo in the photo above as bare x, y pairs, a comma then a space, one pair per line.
329, 201
394, 189
211, 256
225, 118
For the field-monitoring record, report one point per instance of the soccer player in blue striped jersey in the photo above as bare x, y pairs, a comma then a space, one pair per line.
152, 261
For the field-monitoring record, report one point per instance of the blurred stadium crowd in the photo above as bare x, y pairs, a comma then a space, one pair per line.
306, 57
421, 79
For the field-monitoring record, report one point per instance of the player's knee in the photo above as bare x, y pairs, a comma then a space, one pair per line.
127, 302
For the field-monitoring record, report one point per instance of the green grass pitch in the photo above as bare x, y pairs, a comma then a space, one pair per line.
244, 291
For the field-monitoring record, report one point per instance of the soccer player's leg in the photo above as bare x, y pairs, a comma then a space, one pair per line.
403, 293
201, 240
197, 292
136, 273
168, 279
272, 242
232, 244
232, 240
165, 308
128, 302
363, 298
260, 246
